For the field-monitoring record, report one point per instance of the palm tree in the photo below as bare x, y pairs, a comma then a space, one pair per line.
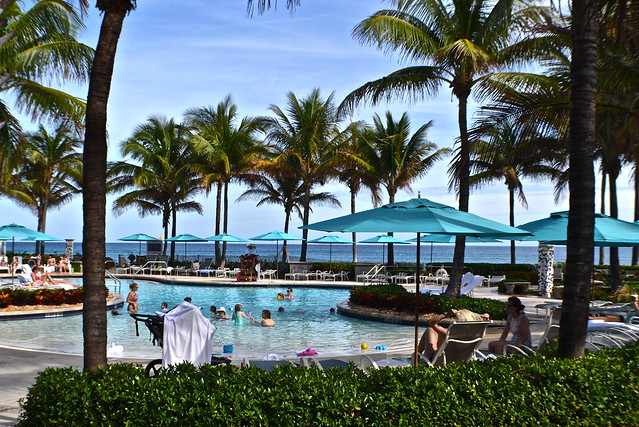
581, 147
50, 174
508, 153
462, 43
226, 150
354, 170
37, 46
163, 181
398, 158
308, 138
95, 159
275, 185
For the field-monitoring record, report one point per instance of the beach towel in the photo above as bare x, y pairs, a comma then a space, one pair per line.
187, 336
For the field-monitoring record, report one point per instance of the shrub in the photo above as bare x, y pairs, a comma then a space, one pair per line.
41, 296
396, 297
598, 389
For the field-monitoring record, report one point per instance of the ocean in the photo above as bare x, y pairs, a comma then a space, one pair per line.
367, 253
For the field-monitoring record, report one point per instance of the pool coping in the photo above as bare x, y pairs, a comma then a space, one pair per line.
116, 302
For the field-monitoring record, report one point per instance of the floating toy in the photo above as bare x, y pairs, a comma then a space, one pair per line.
364, 346
332, 310
381, 347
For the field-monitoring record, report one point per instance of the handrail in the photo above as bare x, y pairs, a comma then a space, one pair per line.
118, 282
377, 271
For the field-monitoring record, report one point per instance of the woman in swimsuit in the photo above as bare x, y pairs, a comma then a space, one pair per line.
132, 298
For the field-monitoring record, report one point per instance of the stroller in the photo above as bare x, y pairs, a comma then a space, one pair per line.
155, 325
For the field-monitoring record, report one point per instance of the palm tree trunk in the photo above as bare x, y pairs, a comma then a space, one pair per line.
305, 219
635, 250
218, 220
602, 250
390, 254
173, 231
511, 207
226, 221
42, 227
94, 321
353, 235
287, 221
615, 269
464, 192
581, 144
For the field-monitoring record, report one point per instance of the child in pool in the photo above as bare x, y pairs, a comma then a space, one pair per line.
238, 315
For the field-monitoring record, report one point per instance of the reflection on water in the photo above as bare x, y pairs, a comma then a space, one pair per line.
316, 327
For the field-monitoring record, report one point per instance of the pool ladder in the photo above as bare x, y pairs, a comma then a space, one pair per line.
117, 286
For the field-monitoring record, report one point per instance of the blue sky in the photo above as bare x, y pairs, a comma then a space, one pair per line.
172, 58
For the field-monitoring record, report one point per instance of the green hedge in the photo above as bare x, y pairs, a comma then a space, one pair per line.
396, 297
599, 389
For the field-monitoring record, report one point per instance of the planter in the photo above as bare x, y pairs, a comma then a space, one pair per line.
510, 288
558, 292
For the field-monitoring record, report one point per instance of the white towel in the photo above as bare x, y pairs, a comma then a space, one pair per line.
187, 336
271, 356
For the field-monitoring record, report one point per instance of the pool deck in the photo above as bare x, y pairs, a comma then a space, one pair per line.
19, 367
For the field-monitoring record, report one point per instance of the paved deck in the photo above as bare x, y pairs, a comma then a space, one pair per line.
19, 367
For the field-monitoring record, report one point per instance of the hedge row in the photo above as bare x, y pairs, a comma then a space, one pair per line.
599, 389
40, 297
396, 297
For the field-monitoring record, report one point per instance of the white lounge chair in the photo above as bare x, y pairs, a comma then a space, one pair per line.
461, 344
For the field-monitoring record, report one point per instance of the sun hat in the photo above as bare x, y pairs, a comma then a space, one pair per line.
221, 309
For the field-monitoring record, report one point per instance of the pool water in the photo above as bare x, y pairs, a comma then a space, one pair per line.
328, 333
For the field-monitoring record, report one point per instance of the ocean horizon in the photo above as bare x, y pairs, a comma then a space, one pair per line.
366, 253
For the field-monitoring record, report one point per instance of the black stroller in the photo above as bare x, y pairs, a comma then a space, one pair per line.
155, 324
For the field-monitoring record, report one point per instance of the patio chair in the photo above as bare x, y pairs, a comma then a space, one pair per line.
466, 279
221, 271
269, 274
461, 344
548, 339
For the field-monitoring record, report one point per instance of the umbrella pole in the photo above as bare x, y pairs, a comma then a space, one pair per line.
417, 297
13, 251
277, 258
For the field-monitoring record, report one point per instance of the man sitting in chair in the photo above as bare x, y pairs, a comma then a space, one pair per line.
434, 335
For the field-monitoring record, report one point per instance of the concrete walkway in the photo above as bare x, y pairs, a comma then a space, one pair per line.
19, 367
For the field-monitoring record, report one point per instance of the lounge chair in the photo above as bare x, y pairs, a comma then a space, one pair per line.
548, 339
494, 280
205, 268
461, 344
365, 362
466, 279
474, 282
266, 365
403, 278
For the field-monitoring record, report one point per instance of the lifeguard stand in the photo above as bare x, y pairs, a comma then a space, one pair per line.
248, 273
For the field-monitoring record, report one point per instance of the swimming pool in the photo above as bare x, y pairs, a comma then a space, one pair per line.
328, 333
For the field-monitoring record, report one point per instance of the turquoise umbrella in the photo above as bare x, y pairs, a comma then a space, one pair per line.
139, 237
609, 231
384, 239
11, 231
419, 216
224, 238
185, 238
330, 239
